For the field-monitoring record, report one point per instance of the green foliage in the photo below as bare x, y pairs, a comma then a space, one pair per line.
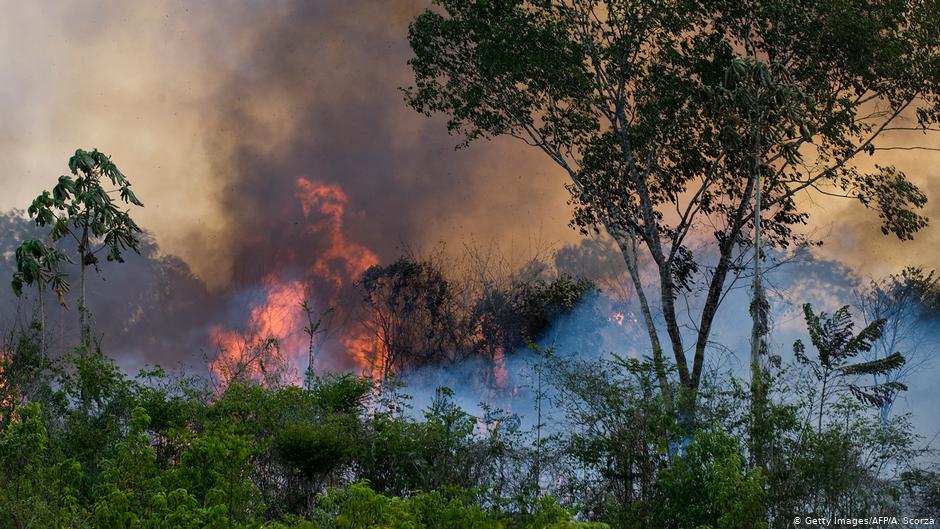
619, 434
37, 491
81, 206
710, 487
315, 450
83, 209
359, 507
39, 264
836, 345
99, 450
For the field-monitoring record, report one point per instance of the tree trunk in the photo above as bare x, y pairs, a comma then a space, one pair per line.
42, 326
716, 286
82, 308
822, 400
759, 328
627, 246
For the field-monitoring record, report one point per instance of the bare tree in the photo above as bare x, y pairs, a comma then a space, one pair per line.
908, 303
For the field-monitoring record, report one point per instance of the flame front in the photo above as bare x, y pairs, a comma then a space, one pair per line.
279, 315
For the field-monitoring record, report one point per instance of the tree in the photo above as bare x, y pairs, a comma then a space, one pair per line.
411, 310
665, 115
81, 207
40, 264
908, 302
710, 486
523, 310
616, 433
836, 345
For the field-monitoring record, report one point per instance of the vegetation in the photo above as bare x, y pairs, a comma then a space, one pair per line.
423, 316
82, 445
683, 126
670, 118
81, 208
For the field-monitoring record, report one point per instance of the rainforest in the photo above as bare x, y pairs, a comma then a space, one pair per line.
459, 264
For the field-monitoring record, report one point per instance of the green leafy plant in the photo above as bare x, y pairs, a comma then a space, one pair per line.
837, 345
82, 207
40, 264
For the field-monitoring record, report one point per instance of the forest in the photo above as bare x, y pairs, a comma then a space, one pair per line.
678, 371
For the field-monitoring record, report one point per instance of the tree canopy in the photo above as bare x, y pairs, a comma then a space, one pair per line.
81, 207
664, 115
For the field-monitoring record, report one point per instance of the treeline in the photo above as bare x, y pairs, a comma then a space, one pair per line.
425, 314
434, 311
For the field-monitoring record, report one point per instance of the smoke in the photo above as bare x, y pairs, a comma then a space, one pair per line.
214, 113
150, 309
607, 324
277, 160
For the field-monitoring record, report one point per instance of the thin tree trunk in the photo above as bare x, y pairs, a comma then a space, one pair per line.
42, 326
716, 286
822, 401
627, 246
759, 308
82, 308
82, 317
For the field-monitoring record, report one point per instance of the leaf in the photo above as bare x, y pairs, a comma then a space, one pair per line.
17, 284
876, 367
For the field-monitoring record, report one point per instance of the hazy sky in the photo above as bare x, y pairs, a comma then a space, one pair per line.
212, 108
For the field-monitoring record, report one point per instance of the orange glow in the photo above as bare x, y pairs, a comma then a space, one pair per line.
279, 315
500, 372
7, 402
343, 261
617, 317
367, 352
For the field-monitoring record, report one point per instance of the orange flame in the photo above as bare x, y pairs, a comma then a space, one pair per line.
343, 261
617, 317
279, 316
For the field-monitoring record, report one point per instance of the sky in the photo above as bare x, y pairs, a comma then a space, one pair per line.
213, 109
218, 112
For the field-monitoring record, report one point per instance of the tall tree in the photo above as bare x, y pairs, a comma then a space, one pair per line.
412, 313
82, 206
666, 114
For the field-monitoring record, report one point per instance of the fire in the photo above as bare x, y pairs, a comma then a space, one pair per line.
279, 316
367, 352
343, 261
617, 317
